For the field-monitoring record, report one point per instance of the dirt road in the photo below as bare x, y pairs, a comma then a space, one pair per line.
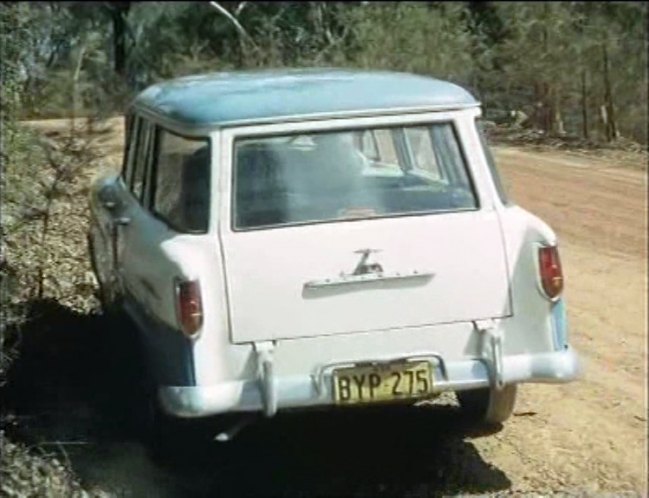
587, 437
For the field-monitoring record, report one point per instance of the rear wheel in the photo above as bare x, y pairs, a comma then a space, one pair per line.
489, 406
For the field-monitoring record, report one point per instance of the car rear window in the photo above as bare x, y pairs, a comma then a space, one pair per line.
342, 175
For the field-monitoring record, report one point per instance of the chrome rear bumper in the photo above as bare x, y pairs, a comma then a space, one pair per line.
271, 393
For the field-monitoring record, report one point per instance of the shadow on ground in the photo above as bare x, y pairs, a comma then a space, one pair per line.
72, 388
73, 371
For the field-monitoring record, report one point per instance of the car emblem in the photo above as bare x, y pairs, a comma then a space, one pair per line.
363, 267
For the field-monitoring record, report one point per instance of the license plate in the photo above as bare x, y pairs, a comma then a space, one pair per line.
383, 382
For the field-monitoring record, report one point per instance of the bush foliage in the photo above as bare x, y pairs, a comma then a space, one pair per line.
571, 67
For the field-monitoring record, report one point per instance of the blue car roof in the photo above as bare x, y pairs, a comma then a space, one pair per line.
248, 97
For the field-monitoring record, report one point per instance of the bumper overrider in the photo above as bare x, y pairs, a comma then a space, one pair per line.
270, 392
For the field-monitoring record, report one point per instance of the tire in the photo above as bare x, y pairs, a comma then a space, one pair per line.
488, 406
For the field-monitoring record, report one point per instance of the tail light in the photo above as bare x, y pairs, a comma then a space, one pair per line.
189, 308
550, 271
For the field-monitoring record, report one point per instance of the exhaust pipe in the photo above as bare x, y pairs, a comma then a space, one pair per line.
230, 434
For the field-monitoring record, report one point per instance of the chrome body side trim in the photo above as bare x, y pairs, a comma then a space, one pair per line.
367, 278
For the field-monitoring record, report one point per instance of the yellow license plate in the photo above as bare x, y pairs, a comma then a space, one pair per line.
383, 382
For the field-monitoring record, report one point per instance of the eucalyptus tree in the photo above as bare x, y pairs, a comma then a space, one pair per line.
410, 36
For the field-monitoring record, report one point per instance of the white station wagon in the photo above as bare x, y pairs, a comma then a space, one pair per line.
301, 238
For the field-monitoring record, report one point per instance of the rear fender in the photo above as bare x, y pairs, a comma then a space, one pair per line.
530, 329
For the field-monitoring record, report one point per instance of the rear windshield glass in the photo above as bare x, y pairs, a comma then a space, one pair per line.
319, 177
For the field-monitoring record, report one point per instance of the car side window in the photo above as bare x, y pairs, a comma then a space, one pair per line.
182, 182
386, 150
365, 142
132, 124
142, 156
422, 150
378, 147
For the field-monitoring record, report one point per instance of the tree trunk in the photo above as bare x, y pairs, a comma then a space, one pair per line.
75, 84
548, 89
611, 124
603, 118
584, 106
119, 10
247, 47
543, 111
547, 108
555, 122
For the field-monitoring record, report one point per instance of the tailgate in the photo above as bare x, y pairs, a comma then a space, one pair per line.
295, 281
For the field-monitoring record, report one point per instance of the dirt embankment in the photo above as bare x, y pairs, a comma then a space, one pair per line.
587, 437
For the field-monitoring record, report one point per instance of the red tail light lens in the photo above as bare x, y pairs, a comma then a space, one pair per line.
189, 307
550, 271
